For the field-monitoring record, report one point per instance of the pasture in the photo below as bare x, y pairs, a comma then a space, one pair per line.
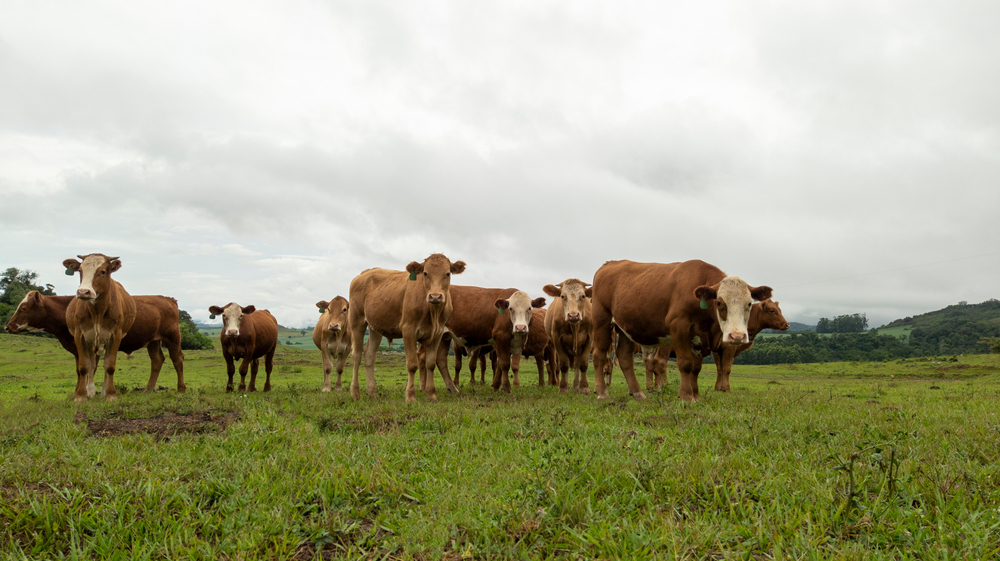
841, 460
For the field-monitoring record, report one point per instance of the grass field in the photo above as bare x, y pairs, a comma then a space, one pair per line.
294, 338
812, 461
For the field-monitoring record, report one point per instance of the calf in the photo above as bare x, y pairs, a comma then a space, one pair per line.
98, 319
568, 324
477, 356
332, 336
413, 305
512, 334
157, 324
247, 334
692, 305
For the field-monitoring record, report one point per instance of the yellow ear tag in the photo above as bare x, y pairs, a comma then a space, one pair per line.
413, 275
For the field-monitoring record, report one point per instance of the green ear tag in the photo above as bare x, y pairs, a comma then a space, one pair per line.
211, 316
322, 310
413, 276
500, 311
69, 272
704, 304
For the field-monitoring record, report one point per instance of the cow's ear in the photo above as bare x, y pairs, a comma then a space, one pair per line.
248, 309
760, 293
72, 264
589, 292
34, 297
322, 304
502, 304
415, 268
551, 290
458, 267
538, 302
215, 310
116, 264
706, 292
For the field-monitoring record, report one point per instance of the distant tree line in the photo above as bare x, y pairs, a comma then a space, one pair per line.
855, 323
191, 338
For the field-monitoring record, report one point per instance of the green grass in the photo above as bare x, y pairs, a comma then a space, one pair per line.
842, 460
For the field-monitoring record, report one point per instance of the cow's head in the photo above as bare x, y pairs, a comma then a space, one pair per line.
770, 316
232, 315
95, 274
334, 313
519, 307
25, 313
435, 273
730, 300
575, 295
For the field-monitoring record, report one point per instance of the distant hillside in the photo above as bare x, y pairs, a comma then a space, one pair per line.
955, 329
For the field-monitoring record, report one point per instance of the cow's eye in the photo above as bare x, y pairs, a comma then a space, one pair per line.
425, 273
447, 274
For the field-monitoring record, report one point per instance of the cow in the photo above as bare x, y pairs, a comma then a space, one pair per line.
98, 318
512, 334
568, 323
476, 356
332, 336
763, 315
692, 305
156, 325
247, 334
414, 305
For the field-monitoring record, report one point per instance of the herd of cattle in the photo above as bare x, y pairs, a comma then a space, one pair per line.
688, 310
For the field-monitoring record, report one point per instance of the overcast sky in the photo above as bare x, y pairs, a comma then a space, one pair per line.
845, 153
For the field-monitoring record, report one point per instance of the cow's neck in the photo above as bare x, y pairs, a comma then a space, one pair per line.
754, 324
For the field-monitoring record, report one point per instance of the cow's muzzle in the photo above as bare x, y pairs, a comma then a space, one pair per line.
736, 338
573, 317
232, 333
85, 294
520, 329
435, 298
334, 327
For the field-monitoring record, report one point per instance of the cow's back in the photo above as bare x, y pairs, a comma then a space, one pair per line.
473, 311
156, 318
376, 297
264, 329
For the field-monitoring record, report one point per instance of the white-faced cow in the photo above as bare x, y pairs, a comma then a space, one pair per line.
332, 336
413, 305
247, 335
156, 325
514, 331
568, 323
98, 318
692, 305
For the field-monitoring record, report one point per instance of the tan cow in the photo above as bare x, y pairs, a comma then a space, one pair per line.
98, 318
156, 325
568, 323
512, 334
413, 305
692, 305
247, 334
332, 336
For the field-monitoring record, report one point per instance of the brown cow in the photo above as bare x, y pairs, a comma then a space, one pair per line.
476, 356
692, 305
98, 318
157, 324
763, 315
332, 336
569, 324
413, 305
247, 334
512, 335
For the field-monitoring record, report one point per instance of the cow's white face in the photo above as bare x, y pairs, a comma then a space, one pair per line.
732, 300
232, 316
95, 274
520, 311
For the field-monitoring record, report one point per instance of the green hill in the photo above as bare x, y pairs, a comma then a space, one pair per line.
955, 329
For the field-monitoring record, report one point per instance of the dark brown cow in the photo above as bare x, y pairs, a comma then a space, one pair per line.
413, 305
247, 334
692, 305
98, 319
763, 315
568, 323
332, 336
477, 356
513, 335
156, 325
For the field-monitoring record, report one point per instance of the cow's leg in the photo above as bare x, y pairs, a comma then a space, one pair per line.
582, 362
502, 374
515, 369
422, 365
84, 363
412, 360
430, 361
254, 365
602, 333
723, 367
360, 353
244, 366
459, 353
647, 360
689, 366
324, 352
564, 363
156, 360
551, 365
493, 362
540, 362
268, 366
625, 352
230, 370
442, 366
371, 352
341, 363
177, 358
110, 361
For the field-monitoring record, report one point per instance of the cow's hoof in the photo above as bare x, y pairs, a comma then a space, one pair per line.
563, 390
110, 398
432, 398
453, 389
601, 395
584, 391
79, 399
325, 390
639, 396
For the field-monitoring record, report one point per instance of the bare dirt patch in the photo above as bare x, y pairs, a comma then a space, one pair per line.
163, 426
